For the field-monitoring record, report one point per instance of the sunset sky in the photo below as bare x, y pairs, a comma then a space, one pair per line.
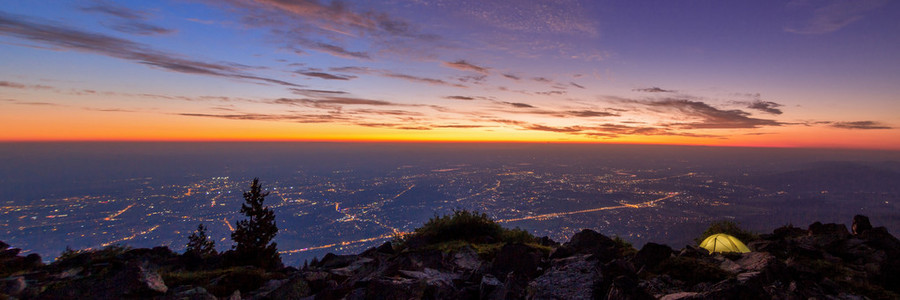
750, 73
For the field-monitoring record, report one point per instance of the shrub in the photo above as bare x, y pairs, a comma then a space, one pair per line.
623, 247
728, 227
463, 225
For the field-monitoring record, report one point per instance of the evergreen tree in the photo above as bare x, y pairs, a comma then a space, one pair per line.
200, 244
254, 235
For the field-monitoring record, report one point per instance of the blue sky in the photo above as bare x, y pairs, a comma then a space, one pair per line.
763, 73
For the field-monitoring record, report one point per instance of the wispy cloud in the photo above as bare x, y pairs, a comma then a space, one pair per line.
765, 106
326, 26
653, 90
298, 118
391, 74
17, 85
327, 76
115, 11
466, 98
706, 116
861, 125
316, 93
119, 48
127, 20
833, 15
518, 104
465, 66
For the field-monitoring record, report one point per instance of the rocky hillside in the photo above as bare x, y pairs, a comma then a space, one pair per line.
822, 261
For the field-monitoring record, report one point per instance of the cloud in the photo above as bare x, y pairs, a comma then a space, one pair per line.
835, 15
568, 129
119, 48
129, 20
465, 66
332, 101
551, 93
295, 22
462, 126
861, 125
16, 85
298, 118
142, 29
765, 106
518, 104
395, 126
513, 77
653, 90
326, 76
709, 117
315, 93
115, 11
419, 79
459, 98
391, 74
531, 17
588, 113
576, 85
336, 50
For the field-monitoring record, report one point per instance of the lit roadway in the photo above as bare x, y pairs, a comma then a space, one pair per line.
650, 203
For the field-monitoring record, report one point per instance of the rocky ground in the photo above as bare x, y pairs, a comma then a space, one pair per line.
823, 261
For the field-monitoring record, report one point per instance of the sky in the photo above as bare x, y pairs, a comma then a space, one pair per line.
823, 74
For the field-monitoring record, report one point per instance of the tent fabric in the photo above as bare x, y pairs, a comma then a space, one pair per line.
723, 243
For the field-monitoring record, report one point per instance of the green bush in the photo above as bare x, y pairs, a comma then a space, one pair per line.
463, 225
728, 227
624, 247
74, 258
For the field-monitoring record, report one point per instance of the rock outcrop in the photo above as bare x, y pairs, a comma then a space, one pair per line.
823, 261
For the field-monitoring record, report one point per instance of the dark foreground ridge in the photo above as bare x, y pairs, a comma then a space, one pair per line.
824, 261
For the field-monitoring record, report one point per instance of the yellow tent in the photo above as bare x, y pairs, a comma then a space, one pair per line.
723, 243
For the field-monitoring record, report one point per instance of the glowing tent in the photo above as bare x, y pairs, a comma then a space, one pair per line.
723, 243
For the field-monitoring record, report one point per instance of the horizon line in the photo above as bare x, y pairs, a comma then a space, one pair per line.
400, 141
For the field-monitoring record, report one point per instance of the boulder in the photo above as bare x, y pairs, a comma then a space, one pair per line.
517, 258
192, 293
10, 253
625, 287
333, 261
395, 288
466, 258
490, 287
860, 224
651, 255
13, 286
570, 278
588, 242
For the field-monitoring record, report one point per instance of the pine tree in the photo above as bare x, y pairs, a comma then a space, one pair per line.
200, 244
254, 235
